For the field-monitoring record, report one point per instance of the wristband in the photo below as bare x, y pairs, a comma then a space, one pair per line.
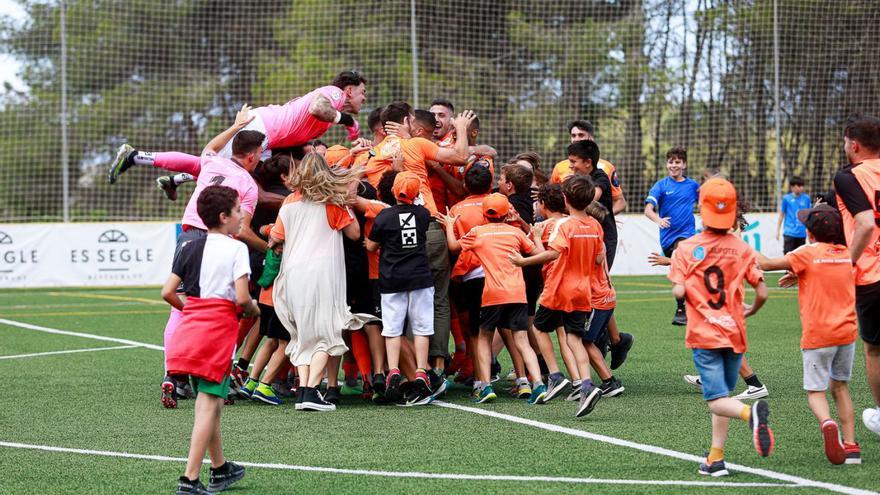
345, 119
338, 116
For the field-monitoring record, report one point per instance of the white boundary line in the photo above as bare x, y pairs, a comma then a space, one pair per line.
405, 474
38, 328
528, 422
656, 450
94, 349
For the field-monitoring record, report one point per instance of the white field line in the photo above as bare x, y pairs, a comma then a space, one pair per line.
656, 450
74, 351
72, 305
405, 474
528, 422
38, 328
669, 290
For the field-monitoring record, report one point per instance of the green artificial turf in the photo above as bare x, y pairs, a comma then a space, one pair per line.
108, 401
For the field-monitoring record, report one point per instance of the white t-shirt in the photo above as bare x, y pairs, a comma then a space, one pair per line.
209, 266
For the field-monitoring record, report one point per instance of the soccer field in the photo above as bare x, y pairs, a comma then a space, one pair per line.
82, 415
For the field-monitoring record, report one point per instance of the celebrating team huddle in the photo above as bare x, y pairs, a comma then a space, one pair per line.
370, 257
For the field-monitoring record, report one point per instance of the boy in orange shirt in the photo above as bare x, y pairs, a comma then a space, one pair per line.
504, 293
827, 299
708, 271
576, 249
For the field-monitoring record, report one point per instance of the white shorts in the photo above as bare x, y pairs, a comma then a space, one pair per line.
415, 305
826, 363
255, 125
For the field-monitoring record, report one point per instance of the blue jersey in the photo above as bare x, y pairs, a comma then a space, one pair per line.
791, 226
675, 200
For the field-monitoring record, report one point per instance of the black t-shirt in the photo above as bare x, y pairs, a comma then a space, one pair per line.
848, 189
609, 226
524, 206
402, 233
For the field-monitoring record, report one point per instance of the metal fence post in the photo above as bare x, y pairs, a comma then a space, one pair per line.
776, 104
65, 151
415, 52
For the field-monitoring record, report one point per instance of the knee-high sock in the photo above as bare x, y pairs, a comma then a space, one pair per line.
171, 327
170, 160
360, 347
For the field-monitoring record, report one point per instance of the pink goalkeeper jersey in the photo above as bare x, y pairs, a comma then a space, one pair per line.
217, 170
292, 125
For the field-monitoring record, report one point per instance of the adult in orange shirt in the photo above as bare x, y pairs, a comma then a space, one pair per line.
707, 271
503, 304
827, 299
858, 198
582, 130
415, 152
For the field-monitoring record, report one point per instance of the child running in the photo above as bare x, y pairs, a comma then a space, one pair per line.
214, 271
708, 271
827, 299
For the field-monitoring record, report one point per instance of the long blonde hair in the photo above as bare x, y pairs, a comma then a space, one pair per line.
321, 183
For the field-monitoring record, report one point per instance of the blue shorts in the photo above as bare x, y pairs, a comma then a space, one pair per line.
598, 325
719, 371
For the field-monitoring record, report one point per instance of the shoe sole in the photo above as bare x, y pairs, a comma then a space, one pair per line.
219, 487
589, 404
538, 400
168, 400
574, 397
421, 402
555, 391
834, 449
121, 153
484, 400
716, 474
440, 390
167, 189
757, 395
614, 393
762, 435
313, 406
258, 397
853, 460
697, 385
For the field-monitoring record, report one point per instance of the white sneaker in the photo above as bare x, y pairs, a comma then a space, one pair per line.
752, 393
871, 418
693, 380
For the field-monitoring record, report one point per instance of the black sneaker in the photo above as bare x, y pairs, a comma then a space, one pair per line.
378, 386
715, 469
602, 344
438, 384
495, 371
419, 395
762, 435
680, 319
124, 160
297, 403
620, 350
589, 398
392, 388
185, 486
167, 185
313, 401
333, 395
224, 476
611, 388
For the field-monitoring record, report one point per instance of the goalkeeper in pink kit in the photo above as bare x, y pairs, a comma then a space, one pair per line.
293, 124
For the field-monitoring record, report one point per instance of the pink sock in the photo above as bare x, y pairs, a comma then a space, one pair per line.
171, 327
177, 162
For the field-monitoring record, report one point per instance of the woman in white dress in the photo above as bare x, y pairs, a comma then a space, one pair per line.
309, 292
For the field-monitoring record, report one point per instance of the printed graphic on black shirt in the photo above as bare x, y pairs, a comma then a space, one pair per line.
408, 235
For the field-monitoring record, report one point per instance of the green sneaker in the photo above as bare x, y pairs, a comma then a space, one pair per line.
264, 393
485, 395
538, 394
247, 390
123, 161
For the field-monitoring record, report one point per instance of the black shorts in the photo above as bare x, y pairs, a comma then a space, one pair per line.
868, 312
270, 325
534, 286
791, 243
598, 325
513, 316
667, 251
548, 320
376, 300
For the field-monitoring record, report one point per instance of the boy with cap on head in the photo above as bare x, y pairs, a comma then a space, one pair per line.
708, 271
504, 303
827, 299
405, 283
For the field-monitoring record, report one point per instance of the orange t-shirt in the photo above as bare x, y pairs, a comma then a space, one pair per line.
563, 169
372, 209
438, 188
492, 243
713, 267
603, 294
337, 216
470, 214
567, 285
545, 239
826, 294
416, 151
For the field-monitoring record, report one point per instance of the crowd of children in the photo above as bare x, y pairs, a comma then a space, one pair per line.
369, 258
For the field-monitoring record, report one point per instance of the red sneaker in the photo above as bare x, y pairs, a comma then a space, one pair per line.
834, 448
169, 400
853, 453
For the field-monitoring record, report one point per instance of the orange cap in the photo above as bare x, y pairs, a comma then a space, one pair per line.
495, 206
406, 187
337, 154
718, 203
